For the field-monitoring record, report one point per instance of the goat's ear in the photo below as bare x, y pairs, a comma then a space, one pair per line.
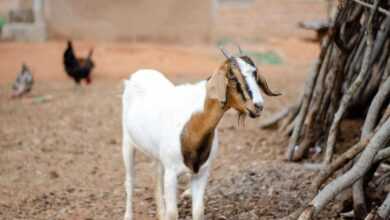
264, 86
216, 86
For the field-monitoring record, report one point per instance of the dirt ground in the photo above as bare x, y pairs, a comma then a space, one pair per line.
60, 149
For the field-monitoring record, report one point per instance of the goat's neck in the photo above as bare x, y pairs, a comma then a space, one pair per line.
198, 133
208, 119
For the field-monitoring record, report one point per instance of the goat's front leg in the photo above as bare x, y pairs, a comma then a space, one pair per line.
159, 194
170, 194
198, 187
128, 159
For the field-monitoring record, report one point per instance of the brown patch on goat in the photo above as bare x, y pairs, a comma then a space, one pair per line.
226, 88
198, 135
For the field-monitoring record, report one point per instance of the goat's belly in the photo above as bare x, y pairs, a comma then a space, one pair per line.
153, 139
144, 141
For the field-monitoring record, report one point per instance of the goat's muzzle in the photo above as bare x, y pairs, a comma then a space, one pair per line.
256, 111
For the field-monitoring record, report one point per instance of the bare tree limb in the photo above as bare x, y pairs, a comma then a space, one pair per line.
353, 88
274, 119
357, 171
359, 200
382, 155
340, 162
304, 107
375, 107
382, 10
384, 209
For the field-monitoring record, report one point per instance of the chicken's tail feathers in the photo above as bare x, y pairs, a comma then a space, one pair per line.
90, 53
70, 43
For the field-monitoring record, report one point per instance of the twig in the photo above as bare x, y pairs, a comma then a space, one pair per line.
274, 119
382, 10
359, 200
384, 209
382, 155
375, 108
311, 133
310, 83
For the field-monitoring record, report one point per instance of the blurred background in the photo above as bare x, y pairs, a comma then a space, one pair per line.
267, 30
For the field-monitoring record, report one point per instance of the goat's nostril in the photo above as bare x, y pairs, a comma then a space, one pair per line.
259, 107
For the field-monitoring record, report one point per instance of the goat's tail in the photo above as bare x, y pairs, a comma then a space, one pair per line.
127, 87
129, 93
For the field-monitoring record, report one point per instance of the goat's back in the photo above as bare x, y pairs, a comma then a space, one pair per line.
147, 80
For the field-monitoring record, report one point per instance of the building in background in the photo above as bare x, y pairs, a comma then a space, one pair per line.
25, 20
167, 20
171, 20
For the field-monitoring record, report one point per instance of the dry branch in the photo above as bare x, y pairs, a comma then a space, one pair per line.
345, 101
351, 79
340, 162
375, 108
382, 155
359, 200
357, 171
382, 10
274, 119
384, 209
303, 110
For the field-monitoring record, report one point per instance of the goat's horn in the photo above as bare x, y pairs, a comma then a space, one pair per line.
225, 53
239, 48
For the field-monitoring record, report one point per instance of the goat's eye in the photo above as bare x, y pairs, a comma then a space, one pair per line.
230, 75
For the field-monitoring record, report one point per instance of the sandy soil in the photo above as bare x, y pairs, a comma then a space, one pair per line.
60, 149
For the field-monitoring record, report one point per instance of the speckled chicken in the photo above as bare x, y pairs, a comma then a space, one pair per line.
23, 83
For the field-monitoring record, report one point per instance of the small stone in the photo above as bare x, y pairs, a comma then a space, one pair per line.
113, 142
53, 174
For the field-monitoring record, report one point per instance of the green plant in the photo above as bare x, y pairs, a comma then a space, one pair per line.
268, 57
2, 22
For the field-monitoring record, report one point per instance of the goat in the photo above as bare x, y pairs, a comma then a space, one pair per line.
176, 126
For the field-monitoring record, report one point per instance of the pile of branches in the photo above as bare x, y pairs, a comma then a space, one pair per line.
350, 79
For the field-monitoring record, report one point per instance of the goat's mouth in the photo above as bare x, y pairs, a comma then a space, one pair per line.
253, 114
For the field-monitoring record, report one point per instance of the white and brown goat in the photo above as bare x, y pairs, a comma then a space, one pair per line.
176, 126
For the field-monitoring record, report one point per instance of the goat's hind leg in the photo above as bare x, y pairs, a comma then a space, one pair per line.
128, 159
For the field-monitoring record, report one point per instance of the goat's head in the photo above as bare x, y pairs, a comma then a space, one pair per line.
237, 84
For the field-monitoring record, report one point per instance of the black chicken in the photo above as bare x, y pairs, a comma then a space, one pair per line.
78, 68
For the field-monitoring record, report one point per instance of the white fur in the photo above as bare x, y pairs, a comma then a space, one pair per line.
247, 71
154, 114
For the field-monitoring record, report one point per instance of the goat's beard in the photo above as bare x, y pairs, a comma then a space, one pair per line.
241, 119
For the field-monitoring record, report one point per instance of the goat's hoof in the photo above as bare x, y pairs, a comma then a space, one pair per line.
127, 217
